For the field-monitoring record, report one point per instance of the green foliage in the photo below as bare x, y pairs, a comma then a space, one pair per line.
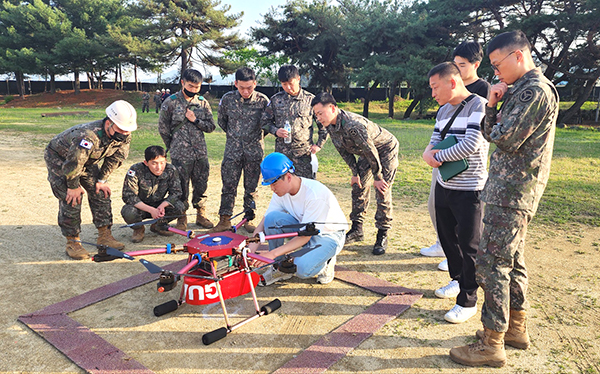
265, 67
310, 34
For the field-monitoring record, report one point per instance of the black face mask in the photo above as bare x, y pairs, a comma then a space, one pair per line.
117, 136
189, 93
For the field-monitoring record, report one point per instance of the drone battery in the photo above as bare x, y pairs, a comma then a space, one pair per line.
224, 264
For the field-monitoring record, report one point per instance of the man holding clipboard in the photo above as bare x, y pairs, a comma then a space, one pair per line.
459, 151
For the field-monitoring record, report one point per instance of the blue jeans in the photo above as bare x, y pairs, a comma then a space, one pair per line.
313, 261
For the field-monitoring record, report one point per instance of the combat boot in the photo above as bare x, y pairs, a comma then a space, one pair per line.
201, 219
487, 351
223, 225
75, 250
380, 243
181, 223
355, 234
517, 335
161, 229
138, 234
105, 238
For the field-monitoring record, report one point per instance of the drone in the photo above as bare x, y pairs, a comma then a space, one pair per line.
218, 268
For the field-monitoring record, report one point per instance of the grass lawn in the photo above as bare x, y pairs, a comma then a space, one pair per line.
571, 195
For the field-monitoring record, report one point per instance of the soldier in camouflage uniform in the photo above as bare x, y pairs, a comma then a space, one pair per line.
377, 151
293, 105
240, 112
183, 120
157, 100
523, 131
152, 189
145, 102
73, 160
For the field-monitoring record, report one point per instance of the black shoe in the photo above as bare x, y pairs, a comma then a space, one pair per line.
380, 243
355, 234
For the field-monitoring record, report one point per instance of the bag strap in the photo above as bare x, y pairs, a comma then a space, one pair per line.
456, 113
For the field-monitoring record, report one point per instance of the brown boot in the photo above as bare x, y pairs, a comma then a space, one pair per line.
517, 335
181, 223
161, 229
487, 351
202, 220
249, 227
105, 238
138, 234
75, 250
223, 225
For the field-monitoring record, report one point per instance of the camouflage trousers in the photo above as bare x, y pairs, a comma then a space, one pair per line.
131, 214
158, 107
500, 264
145, 106
231, 172
195, 171
69, 217
361, 195
303, 166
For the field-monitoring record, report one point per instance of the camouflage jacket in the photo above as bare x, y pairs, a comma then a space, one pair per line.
157, 98
524, 137
146, 97
240, 119
353, 134
298, 111
183, 138
141, 185
76, 149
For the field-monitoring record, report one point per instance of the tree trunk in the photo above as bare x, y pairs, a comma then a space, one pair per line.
20, 84
184, 61
76, 86
52, 83
392, 98
368, 99
121, 76
116, 77
137, 84
584, 94
412, 106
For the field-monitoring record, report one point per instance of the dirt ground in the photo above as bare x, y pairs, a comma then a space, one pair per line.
563, 291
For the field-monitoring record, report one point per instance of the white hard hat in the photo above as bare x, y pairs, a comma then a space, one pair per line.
123, 115
157, 91
168, 90
163, 90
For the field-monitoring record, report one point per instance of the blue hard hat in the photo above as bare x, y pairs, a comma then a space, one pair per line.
274, 166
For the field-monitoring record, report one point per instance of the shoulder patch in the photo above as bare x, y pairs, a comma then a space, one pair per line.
526, 95
201, 97
173, 97
84, 143
131, 173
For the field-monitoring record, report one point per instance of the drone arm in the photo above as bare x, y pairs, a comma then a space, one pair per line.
260, 258
144, 252
187, 234
190, 265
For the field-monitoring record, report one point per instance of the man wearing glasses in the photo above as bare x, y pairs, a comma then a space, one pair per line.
523, 131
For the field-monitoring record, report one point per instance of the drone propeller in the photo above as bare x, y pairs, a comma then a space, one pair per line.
250, 208
300, 225
153, 221
155, 269
106, 253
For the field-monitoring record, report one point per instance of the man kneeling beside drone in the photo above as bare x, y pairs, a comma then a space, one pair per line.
298, 201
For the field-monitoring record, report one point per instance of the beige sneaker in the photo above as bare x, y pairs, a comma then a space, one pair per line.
326, 275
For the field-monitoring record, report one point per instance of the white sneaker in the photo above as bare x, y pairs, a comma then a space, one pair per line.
459, 314
328, 273
433, 251
449, 291
443, 266
271, 276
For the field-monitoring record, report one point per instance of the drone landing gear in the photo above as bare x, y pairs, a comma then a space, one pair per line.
222, 332
168, 307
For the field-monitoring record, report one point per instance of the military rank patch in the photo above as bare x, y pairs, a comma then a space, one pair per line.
131, 173
526, 95
84, 143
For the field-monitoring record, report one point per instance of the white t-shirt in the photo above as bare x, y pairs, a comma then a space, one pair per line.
314, 202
